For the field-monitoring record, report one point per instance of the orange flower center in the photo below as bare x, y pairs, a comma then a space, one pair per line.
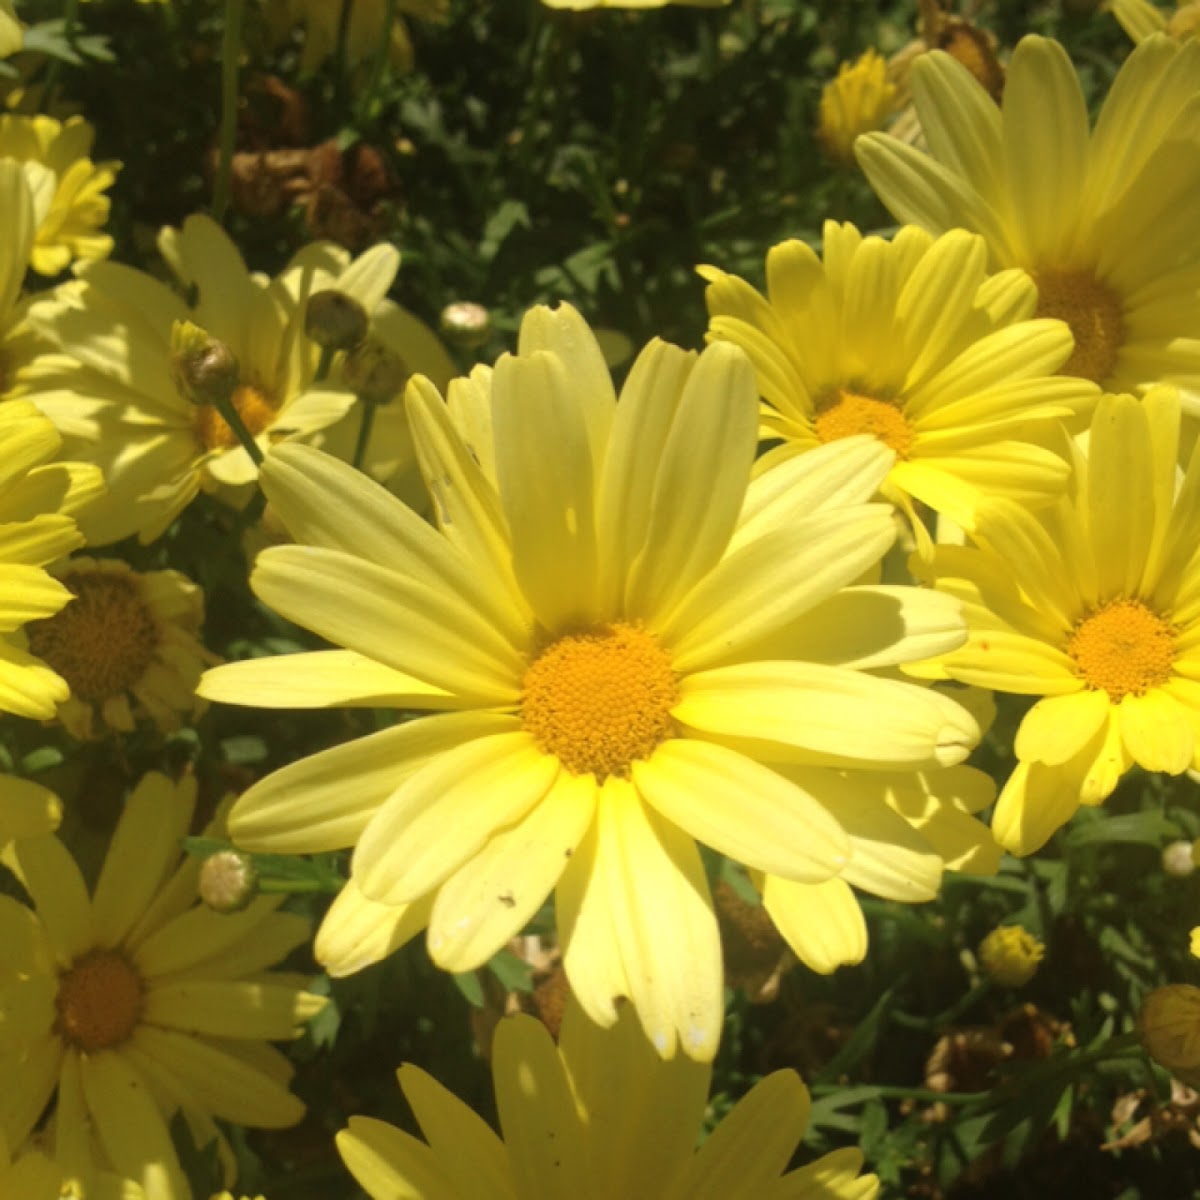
600, 699
103, 640
1123, 648
1092, 310
252, 404
844, 413
99, 1000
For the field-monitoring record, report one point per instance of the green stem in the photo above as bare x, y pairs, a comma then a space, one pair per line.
364, 432
70, 23
231, 50
224, 405
299, 887
324, 363
379, 63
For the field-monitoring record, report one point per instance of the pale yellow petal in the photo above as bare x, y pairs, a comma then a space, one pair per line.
1058, 727
390, 1164
358, 932
822, 923
1156, 732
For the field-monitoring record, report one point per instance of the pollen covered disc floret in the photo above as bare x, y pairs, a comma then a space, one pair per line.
845, 413
1094, 313
1123, 648
99, 1000
103, 640
601, 698
252, 404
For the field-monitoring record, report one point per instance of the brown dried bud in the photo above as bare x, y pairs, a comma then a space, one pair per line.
203, 368
334, 320
375, 373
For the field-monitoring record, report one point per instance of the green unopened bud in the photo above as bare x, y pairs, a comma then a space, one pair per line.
203, 368
466, 325
228, 881
374, 373
334, 320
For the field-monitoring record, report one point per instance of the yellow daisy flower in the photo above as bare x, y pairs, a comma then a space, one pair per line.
1093, 604
912, 342
136, 1003
859, 100
38, 500
1103, 219
621, 633
124, 410
598, 1115
126, 644
68, 188
1140, 18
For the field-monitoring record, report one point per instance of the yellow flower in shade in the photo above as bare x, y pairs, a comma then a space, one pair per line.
111, 388
136, 1003
1093, 604
12, 32
70, 205
321, 20
38, 500
622, 632
859, 100
600, 1115
1140, 18
126, 644
1169, 1027
1103, 219
1009, 956
911, 342
30, 1176
26, 810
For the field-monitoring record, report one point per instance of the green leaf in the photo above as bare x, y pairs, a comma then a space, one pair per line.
1149, 828
515, 975
468, 984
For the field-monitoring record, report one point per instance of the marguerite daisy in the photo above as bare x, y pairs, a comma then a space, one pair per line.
628, 647
1103, 219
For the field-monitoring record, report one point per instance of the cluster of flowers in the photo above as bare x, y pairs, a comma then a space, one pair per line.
633, 633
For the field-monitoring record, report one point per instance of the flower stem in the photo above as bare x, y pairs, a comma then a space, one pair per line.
225, 406
364, 432
231, 50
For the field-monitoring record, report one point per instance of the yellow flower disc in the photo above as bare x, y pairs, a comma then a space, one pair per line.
99, 1000
844, 413
252, 404
1123, 648
103, 640
1092, 310
600, 699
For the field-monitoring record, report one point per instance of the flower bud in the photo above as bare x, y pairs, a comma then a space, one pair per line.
1169, 1026
228, 881
203, 368
466, 325
1009, 956
1178, 859
375, 373
334, 320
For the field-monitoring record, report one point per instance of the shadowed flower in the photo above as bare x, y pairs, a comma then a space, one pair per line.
69, 201
1092, 603
1103, 219
112, 392
857, 101
135, 1003
1140, 18
126, 643
1009, 956
598, 1116
37, 526
634, 649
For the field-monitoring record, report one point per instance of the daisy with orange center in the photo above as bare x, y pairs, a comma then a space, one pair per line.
127, 645
112, 386
134, 1003
626, 647
1102, 218
1093, 604
912, 343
